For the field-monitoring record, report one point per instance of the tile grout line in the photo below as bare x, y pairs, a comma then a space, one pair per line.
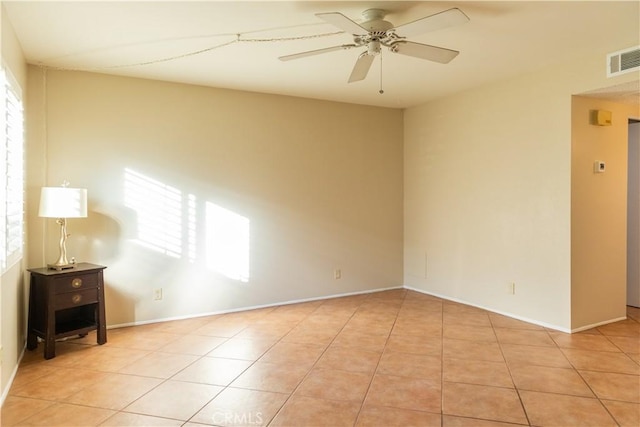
522, 405
375, 371
316, 361
165, 380
279, 340
225, 387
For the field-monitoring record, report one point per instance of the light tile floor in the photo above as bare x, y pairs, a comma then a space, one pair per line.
389, 358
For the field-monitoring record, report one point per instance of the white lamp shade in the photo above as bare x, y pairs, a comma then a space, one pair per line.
63, 202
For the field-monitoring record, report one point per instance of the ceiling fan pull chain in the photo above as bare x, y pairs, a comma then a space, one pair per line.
381, 91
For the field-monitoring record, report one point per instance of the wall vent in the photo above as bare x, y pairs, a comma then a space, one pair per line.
623, 61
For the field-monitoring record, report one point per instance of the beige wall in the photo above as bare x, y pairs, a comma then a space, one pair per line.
599, 213
319, 183
12, 285
486, 199
488, 193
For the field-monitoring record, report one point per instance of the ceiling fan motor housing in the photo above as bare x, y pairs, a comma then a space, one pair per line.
378, 31
374, 22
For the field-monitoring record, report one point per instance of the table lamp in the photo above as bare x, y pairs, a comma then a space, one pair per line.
62, 203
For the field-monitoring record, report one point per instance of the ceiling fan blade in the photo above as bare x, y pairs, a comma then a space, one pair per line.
339, 20
361, 69
315, 52
424, 51
445, 19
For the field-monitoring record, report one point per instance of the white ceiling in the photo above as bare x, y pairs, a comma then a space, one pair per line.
128, 38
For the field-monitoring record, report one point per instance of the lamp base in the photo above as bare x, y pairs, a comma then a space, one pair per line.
62, 263
60, 267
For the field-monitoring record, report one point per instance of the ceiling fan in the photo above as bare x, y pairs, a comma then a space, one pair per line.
375, 32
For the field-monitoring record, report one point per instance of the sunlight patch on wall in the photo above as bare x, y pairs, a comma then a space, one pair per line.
159, 213
191, 227
167, 222
227, 242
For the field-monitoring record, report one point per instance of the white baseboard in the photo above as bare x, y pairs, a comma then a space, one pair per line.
368, 291
595, 325
511, 315
5, 392
254, 307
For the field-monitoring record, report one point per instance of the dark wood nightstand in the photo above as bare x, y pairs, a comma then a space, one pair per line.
65, 303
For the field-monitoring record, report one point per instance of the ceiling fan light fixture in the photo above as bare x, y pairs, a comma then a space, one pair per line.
373, 48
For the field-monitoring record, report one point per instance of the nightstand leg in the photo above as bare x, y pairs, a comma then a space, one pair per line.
49, 348
102, 334
32, 341
102, 318
50, 333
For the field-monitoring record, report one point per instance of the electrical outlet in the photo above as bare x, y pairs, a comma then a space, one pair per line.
337, 274
511, 288
157, 294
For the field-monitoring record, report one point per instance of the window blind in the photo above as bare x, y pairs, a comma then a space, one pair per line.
12, 173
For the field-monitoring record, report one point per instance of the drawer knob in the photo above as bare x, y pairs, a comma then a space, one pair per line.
76, 283
76, 298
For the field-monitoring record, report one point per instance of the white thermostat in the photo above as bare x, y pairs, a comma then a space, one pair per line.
599, 167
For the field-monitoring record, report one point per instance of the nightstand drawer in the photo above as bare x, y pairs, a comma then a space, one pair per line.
74, 299
75, 283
